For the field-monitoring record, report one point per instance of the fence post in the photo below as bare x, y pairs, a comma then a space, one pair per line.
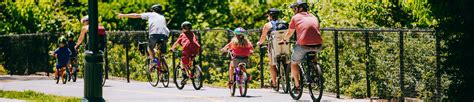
438, 67
402, 84
173, 58
336, 51
262, 53
200, 50
367, 68
126, 56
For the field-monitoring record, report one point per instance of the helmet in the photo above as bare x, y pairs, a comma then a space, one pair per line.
186, 24
240, 31
70, 35
62, 39
299, 4
85, 18
156, 8
273, 11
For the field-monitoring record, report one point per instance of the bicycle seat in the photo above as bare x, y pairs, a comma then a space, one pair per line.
311, 53
242, 64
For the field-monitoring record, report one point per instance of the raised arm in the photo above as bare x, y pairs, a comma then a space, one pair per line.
265, 30
131, 15
81, 37
224, 49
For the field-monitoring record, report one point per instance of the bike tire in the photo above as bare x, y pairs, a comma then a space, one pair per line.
104, 76
285, 77
64, 77
151, 74
278, 78
178, 72
297, 95
245, 86
316, 72
57, 77
232, 87
165, 75
197, 80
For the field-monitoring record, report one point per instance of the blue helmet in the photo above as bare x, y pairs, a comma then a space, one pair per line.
240, 31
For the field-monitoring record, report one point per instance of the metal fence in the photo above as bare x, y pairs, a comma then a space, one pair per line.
207, 36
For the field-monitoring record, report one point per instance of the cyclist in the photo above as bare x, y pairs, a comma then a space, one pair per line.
273, 25
308, 37
241, 48
191, 47
158, 32
73, 58
62, 54
85, 30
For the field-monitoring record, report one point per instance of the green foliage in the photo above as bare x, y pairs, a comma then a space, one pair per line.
384, 58
36, 96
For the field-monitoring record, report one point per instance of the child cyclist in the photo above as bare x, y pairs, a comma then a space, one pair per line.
62, 54
190, 45
241, 49
73, 57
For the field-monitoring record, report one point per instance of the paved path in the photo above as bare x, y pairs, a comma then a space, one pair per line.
120, 91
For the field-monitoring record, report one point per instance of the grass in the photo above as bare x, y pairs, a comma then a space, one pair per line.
32, 96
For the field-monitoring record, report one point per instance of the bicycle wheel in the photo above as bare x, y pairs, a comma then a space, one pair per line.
151, 73
104, 76
244, 85
178, 77
197, 80
296, 95
74, 73
165, 75
64, 76
278, 78
57, 76
316, 82
285, 83
232, 87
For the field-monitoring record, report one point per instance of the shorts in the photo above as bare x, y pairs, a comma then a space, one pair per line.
186, 58
159, 39
59, 66
299, 51
236, 60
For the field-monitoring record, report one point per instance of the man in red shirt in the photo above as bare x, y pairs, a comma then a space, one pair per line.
307, 35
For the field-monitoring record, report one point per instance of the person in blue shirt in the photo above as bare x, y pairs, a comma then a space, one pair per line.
62, 54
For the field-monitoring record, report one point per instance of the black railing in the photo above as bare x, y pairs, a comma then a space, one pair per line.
142, 35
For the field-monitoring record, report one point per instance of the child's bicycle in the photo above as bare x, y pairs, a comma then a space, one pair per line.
240, 77
60, 75
73, 65
157, 73
193, 72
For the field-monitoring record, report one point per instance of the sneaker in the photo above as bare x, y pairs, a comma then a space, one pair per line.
296, 89
230, 83
183, 82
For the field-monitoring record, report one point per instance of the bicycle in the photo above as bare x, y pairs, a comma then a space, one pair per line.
73, 69
157, 73
281, 52
60, 75
193, 73
240, 77
311, 75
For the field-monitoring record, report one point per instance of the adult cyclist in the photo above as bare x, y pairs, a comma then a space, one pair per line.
158, 32
308, 37
273, 25
85, 30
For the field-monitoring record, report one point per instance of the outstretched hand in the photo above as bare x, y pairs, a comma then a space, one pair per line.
120, 16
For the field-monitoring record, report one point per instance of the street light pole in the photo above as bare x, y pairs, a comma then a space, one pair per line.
94, 58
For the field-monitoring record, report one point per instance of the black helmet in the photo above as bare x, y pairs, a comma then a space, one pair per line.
273, 11
156, 8
186, 24
69, 34
62, 39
